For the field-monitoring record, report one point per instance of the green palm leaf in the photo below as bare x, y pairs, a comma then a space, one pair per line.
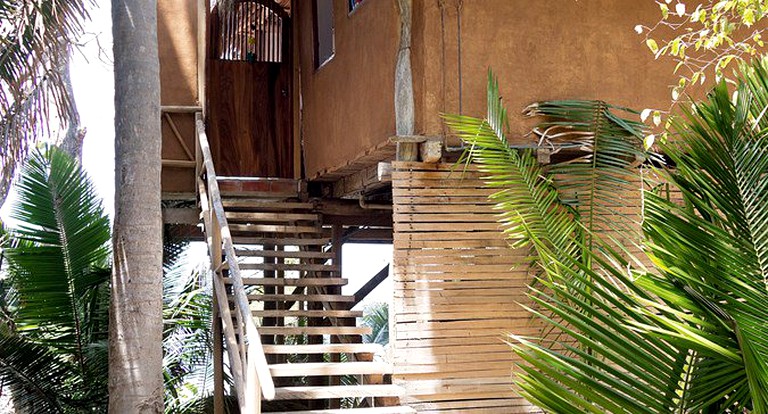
58, 259
690, 336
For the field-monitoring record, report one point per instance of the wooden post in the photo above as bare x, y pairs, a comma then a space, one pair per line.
218, 358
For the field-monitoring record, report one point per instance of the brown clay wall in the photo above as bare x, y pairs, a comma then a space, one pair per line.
539, 50
348, 103
177, 48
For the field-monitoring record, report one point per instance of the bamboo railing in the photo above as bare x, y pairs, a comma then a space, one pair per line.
247, 360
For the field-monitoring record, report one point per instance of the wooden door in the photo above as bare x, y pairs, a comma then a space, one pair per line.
249, 90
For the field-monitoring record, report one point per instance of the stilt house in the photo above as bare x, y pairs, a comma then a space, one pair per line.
291, 127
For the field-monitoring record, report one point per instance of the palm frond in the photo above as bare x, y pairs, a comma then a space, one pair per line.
58, 259
527, 200
36, 38
598, 151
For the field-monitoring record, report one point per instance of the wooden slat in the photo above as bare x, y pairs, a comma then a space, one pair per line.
457, 291
237, 216
302, 267
314, 330
302, 298
258, 204
304, 281
373, 410
282, 241
338, 391
269, 228
330, 368
351, 348
307, 313
283, 254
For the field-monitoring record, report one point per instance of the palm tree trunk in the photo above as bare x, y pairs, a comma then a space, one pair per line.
135, 341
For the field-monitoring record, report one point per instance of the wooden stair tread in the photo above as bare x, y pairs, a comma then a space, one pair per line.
330, 368
284, 254
323, 349
289, 267
304, 281
314, 330
275, 228
307, 313
280, 241
302, 298
374, 410
257, 204
279, 217
338, 391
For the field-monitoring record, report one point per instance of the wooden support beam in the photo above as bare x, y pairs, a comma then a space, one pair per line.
363, 181
370, 285
181, 216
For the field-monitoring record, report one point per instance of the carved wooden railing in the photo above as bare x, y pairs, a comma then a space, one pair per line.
247, 361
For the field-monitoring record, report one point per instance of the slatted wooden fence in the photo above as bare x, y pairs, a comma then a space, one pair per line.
456, 293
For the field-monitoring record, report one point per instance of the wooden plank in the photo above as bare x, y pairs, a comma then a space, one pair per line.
282, 241
304, 281
283, 254
237, 216
314, 330
301, 298
284, 267
351, 348
259, 204
338, 391
266, 228
374, 410
479, 217
307, 313
329, 368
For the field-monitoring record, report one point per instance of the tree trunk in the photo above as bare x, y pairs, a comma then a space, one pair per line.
135, 329
72, 141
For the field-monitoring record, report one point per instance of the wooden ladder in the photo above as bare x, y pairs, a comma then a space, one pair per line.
311, 338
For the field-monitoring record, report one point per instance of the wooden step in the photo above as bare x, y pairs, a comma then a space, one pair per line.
338, 391
323, 349
302, 298
314, 330
330, 368
253, 217
304, 281
301, 267
284, 254
374, 410
288, 241
275, 228
257, 204
307, 313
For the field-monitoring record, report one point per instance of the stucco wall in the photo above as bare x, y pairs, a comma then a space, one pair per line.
177, 49
348, 103
540, 50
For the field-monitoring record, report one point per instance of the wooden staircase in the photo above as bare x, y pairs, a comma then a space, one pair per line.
289, 265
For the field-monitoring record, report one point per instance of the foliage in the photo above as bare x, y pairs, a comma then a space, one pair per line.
376, 316
188, 356
35, 38
599, 146
54, 356
690, 334
706, 38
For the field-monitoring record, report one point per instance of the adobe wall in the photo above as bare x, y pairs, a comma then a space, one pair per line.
348, 103
177, 49
539, 50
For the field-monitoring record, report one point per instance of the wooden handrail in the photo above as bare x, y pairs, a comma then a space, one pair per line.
250, 362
